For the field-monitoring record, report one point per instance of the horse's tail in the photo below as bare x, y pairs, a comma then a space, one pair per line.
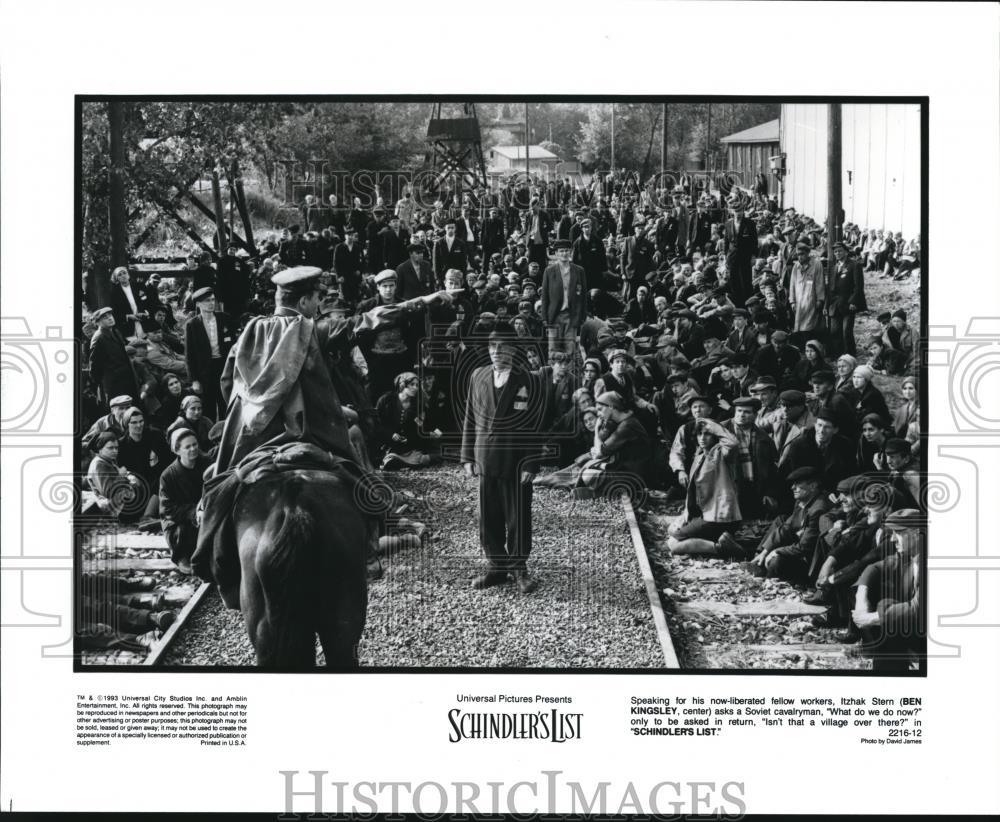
284, 565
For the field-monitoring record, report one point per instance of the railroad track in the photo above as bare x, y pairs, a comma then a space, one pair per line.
720, 617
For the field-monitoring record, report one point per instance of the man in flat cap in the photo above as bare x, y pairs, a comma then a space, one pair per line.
778, 359
589, 253
823, 448
806, 294
110, 366
206, 346
756, 477
504, 417
564, 300
787, 548
114, 421
740, 235
847, 297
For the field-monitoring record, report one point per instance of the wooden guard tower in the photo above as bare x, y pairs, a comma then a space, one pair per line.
455, 147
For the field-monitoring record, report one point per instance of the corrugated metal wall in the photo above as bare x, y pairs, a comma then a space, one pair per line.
749, 159
881, 163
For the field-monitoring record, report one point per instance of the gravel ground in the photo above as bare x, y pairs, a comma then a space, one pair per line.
714, 641
590, 609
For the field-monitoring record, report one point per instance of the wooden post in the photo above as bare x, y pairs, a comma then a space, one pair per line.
117, 222
612, 138
708, 137
220, 222
834, 174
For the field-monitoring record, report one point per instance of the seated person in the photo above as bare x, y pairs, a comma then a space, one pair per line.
180, 492
619, 458
884, 360
111, 422
165, 406
118, 492
143, 450
192, 419
398, 437
869, 399
711, 505
786, 550
887, 609
568, 476
852, 537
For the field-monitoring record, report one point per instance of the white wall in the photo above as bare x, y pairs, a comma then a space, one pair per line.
881, 150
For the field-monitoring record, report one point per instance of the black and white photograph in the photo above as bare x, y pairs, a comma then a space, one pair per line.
501, 383
605, 397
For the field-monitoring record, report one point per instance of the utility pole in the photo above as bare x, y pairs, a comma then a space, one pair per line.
708, 136
834, 176
612, 138
663, 145
527, 140
117, 222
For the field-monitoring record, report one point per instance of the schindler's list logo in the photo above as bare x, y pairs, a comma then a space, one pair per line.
555, 726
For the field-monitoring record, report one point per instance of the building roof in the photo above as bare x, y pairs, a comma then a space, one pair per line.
517, 152
764, 133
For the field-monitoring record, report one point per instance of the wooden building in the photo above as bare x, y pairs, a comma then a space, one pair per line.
749, 152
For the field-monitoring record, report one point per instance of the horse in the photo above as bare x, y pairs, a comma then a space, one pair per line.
302, 544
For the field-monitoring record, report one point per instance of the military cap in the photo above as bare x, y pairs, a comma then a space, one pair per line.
384, 276
295, 274
748, 402
121, 399
101, 312
792, 397
806, 473
202, 294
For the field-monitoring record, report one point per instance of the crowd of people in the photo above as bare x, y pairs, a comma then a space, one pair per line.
690, 344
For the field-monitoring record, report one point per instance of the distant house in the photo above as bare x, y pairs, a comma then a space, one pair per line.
748, 152
508, 159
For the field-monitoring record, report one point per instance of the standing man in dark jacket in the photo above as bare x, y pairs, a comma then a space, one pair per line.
504, 416
564, 300
537, 229
589, 253
415, 277
846, 298
449, 252
636, 262
700, 231
206, 346
348, 261
492, 234
373, 241
110, 366
740, 234
393, 240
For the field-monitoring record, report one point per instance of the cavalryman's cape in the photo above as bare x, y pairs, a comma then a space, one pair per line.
277, 385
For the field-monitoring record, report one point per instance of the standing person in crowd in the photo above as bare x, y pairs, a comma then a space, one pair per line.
348, 265
504, 412
636, 262
110, 365
449, 252
564, 300
847, 298
806, 293
127, 304
206, 345
539, 225
740, 235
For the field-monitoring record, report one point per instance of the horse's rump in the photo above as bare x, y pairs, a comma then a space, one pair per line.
302, 545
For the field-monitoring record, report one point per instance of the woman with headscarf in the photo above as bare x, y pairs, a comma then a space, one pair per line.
191, 418
400, 440
812, 361
118, 492
871, 443
142, 451
180, 492
844, 369
908, 413
169, 401
869, 399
